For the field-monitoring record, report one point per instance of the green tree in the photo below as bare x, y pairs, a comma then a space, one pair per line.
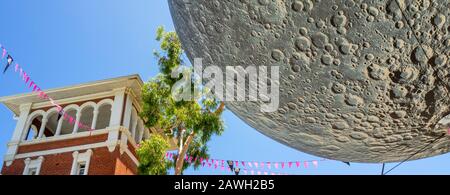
151, 154
191, 122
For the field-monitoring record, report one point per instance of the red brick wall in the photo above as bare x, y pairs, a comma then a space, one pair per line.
62, 143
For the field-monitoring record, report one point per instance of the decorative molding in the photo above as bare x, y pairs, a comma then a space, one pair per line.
61, 150
30, 164
66, 137
133, 158
81, 158
74, 99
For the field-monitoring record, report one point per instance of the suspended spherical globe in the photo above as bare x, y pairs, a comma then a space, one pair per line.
360, 81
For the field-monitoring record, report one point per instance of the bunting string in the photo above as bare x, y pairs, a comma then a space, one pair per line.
36, 89
218, 165
250, 165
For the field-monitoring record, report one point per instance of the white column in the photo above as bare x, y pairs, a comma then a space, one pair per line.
17, 135
78, 117
116, 113
116, 117
42, 129
94, 120
128, 113
58, 129
74, 163
27, 166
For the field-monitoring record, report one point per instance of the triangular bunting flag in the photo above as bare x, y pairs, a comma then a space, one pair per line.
10, 61
315, 163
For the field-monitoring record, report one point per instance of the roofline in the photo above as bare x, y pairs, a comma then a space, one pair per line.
53, 90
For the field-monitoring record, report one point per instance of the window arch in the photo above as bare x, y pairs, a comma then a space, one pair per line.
104, 114
52, 122
66, 126
133, 123
87, 115
33, 125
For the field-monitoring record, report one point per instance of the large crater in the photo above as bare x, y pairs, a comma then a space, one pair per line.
360, 81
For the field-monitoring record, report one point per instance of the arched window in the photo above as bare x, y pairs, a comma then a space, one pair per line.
104, 116
67, 127
139, 132
33, 126
52, 123
133, 123
87, 116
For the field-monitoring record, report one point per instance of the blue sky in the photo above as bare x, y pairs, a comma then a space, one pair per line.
62, 42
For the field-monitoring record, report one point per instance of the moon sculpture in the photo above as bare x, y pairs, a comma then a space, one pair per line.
360, 80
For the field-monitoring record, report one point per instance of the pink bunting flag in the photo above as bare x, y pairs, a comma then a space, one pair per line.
290, 164
282, 165
243, 163
170, 155
215, 166
222, 167
268, 165
256, 164
201, 159
3, 53
187, 158
306, 164
265, 173
209, 165
203, 164
259, 172
250, 164
195, 160
252, 172
16, 68
315, 163
31, 84
237, 163
245, 171
223, 162
262, 165
212, 161
272, 173
276, 165
167, 154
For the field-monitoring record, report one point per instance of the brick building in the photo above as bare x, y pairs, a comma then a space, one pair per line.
45, 144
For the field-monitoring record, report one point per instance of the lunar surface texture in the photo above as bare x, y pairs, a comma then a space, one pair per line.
360, 80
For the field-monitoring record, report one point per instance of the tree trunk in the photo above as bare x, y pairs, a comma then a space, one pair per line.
182, 154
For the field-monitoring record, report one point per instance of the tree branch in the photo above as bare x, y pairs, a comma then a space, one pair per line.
220, 109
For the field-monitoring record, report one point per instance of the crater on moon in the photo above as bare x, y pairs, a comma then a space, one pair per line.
361, 80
